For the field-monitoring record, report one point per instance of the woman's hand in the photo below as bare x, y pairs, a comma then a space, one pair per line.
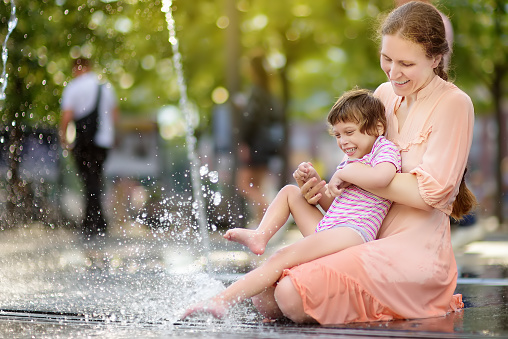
311, 186
311, 190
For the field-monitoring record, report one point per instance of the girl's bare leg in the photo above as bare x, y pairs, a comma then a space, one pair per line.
257, 281
288, 201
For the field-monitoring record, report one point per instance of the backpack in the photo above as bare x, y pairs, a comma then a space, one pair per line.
86, 127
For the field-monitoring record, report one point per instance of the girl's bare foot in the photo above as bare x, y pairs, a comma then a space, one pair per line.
216, 309
253, 239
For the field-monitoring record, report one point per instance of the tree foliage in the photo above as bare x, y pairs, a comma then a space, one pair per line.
325, 47
318, 48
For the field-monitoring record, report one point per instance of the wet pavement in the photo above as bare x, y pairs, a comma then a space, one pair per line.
142, 281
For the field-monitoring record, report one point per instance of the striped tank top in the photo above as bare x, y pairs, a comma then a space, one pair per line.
357, 207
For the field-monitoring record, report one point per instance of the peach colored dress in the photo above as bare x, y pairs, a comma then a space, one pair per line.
409, 271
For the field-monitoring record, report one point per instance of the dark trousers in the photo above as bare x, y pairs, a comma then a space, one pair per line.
90, 163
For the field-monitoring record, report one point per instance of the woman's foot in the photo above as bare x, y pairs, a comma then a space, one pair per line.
216, 309
253, 239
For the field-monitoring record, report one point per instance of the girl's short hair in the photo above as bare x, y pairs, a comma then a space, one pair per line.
361, 107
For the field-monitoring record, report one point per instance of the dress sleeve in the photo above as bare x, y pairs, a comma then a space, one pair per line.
443, 163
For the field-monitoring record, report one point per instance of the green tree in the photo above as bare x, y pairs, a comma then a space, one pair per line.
127, 40
319, 49
481, 68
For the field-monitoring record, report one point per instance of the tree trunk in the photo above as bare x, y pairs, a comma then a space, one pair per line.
497, 91
233, 51
18, 193
285, 176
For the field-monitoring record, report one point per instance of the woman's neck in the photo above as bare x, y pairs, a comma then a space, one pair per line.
410, 99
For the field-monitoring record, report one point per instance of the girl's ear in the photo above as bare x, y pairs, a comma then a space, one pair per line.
380, 128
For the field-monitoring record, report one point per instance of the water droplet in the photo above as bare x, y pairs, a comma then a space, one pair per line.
214, 176
217, 198
203, 170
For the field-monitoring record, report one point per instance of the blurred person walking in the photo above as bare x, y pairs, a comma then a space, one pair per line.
261, 135
93, 107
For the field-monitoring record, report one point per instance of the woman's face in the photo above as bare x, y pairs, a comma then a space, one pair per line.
406, 65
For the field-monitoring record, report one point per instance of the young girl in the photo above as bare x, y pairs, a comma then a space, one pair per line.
358, 123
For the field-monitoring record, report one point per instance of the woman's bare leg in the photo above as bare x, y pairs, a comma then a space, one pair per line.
288, 201
258, 280
289, 302
266, 304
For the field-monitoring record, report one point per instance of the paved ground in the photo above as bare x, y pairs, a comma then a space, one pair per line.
142, 280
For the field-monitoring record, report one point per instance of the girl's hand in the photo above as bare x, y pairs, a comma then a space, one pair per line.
336, 185
301, 174
304, 172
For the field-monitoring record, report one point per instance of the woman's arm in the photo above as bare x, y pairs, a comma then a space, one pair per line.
403, 188
368, 177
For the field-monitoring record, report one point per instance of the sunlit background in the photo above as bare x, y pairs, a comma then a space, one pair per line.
316, 50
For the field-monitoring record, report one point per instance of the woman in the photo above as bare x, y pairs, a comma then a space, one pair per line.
358, 122
410, 271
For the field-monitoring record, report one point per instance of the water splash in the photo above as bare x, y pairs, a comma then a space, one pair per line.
190, 138
13, 21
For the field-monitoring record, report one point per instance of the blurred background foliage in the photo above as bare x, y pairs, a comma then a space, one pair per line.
317, 49
321, 47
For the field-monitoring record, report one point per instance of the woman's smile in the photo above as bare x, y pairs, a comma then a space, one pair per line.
400, 83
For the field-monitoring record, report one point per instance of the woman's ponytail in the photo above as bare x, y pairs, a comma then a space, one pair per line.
465, 200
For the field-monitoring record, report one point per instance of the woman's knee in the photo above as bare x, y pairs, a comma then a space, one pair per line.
266, 305
290, 302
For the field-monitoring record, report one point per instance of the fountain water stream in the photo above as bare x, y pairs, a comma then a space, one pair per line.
198, 205
47, 272
13, 21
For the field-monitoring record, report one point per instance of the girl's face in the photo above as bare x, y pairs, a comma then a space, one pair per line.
353, 142
406, 65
